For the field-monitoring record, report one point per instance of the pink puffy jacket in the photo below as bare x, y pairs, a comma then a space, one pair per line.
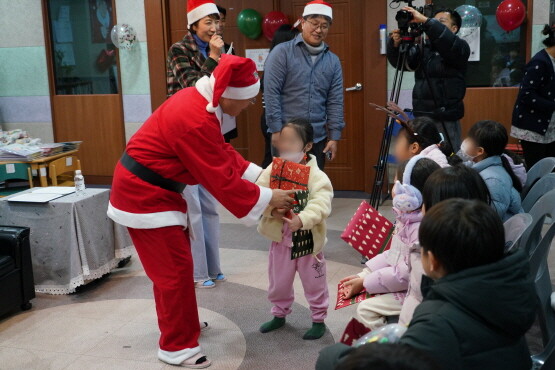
389, 271
414, 294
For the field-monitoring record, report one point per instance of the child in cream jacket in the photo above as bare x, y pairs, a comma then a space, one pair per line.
295, 142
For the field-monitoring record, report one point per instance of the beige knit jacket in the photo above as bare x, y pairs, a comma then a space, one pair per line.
313, 216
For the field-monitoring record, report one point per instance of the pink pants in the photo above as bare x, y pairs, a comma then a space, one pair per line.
282, 274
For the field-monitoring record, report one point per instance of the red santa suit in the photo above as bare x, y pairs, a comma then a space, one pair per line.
182, 142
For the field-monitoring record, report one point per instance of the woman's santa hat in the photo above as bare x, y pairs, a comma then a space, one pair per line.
318, 7
198, 9
234, 78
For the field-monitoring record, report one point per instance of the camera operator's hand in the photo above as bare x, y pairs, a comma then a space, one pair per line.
396, 37
417, 16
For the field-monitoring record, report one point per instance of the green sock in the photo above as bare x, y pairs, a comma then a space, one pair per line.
316, 331
275, 323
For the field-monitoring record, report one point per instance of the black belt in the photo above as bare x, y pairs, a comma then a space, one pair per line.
147, 175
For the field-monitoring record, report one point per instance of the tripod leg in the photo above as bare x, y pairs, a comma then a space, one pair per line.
381, 166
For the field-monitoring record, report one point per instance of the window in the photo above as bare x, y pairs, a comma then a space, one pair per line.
83, 55
502, 54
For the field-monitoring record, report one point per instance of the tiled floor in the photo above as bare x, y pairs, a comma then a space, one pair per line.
111, 324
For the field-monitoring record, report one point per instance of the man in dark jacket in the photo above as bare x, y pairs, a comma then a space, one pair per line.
441, 65
481, 303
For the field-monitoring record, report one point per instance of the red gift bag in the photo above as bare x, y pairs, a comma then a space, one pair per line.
353, 332
368, 231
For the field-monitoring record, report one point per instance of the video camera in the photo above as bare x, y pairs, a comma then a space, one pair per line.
410, 30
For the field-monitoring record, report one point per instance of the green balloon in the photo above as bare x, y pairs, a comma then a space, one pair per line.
250, 23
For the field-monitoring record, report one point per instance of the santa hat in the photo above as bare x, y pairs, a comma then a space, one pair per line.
198, 9
318, 7
234, 78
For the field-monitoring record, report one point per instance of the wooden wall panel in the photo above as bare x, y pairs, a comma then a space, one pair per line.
489, 104
97, 120
157, 35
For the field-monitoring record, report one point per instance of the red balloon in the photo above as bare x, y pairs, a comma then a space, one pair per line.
510, 14
271, 22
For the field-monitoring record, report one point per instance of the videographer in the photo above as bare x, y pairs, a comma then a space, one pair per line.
440, 64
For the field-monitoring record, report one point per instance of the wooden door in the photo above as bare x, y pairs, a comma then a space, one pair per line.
84, 82
344, 39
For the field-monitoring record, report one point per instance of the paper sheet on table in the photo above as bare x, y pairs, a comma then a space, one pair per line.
34, 198
63, 190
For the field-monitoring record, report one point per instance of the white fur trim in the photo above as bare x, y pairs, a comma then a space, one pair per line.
318, 9
210, 108
256, 212
205, 88
200, 12
238, 93
177, 357
242, 93
147, 220
252, 172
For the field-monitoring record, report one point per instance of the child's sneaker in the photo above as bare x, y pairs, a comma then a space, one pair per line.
317, 330
205, 284
275, 323
220, 278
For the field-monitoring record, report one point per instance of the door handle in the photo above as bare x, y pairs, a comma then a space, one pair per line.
357, 87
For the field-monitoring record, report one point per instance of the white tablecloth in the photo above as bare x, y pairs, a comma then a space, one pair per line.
72, 239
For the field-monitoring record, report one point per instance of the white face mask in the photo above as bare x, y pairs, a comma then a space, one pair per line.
463, 152
293, 157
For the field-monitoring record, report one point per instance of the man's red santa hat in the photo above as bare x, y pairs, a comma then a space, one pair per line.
318, 7
198, 9
234, 78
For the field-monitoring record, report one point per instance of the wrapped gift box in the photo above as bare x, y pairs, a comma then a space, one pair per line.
341, 302
288, 175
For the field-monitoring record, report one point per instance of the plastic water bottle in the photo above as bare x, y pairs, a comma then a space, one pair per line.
79, 183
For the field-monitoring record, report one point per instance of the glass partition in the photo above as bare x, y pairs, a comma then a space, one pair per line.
83, 55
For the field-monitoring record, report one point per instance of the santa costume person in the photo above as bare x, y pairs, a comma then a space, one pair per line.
181, 144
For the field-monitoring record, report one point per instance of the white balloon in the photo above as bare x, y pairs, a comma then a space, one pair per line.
471, 16
123, 36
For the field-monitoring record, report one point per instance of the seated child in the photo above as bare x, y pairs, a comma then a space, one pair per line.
484, 146
450, 182
295, 141
421, 136
388, 272
482, 302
